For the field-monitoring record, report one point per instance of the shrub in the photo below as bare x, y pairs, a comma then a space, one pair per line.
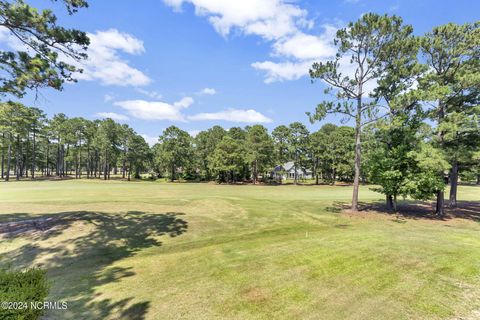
25, 287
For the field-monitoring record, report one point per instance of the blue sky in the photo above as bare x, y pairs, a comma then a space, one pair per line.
197, 63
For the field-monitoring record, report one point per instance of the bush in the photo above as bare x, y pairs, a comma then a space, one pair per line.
25, 287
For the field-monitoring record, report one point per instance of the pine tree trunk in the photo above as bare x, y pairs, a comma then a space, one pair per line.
9, 159
3, 155
124, 163
33, 156
356, 179
172, 178
17, 159
440, 193
105, 168
47, 162
334, 175
454, 185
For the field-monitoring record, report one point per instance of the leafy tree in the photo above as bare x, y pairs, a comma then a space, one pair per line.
228, 159
108, 142
363, 46
205, 144
13, 125
175, 150
280, 137
451, 52
36, 123
259, 150
298, 146
47, 47
138, 154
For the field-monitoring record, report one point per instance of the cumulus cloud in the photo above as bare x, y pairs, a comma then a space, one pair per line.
112, 115
270, 19
208, 91
150, 94
283, 23
105, 64
233, 115
108, 98
306, 46
193, 133
151, 140
280, 71
156, 110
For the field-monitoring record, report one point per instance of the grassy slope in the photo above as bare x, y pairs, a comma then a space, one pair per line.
149, 250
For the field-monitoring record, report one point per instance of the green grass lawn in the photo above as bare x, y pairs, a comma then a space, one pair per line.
146, 250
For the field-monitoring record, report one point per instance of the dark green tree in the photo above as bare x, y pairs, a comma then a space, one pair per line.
363, 46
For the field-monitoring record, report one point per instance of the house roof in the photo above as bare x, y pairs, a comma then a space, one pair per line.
288, 165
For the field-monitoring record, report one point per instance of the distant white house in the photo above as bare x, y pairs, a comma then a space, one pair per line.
287, 171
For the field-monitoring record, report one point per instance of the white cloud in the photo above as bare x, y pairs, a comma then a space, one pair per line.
149, 139
112, 115
156, 110
282, 22
305, 46
150, 94
108, 98
280, 71
208, 91
270, 19
233, 115
184, 102
105, 64
193, 133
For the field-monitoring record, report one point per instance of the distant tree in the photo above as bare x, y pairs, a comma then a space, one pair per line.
138, 154
228, 159
452, 80
280, 137
108, 142
332, 152
298, 141
175, 150
13, 124
205, 144
259, 151
364, 46
36, 123
48, 47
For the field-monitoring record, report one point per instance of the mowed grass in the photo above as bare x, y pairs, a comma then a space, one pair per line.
145, 250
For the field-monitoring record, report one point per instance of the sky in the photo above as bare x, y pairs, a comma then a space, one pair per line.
199, 63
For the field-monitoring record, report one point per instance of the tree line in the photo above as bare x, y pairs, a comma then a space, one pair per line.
413, 99
399, 152
391, 83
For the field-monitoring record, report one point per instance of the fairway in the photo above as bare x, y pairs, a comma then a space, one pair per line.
146, 250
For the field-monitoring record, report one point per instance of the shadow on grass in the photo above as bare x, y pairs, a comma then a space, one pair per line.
469, 210
82, 259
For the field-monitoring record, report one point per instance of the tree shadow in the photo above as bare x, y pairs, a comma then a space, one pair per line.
412, 209
81, 259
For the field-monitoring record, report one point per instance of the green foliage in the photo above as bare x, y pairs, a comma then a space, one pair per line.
259, 150
48, 48
332, 152
175, 150
228, 159
205, 144
23, 286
